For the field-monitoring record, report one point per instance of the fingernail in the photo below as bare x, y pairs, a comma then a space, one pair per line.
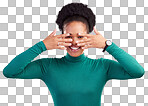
77, 41
67, 34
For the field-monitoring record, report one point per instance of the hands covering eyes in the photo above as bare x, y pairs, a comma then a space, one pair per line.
92, 41
60, 41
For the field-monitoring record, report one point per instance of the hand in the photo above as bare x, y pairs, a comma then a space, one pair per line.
92, 41
52, 41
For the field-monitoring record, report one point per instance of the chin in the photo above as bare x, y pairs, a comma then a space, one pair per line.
75, 53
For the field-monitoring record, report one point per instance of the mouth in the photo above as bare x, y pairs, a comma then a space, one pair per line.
74, 49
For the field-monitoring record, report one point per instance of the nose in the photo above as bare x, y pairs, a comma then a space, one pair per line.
74, 40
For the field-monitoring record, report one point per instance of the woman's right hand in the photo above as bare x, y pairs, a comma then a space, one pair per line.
51, 41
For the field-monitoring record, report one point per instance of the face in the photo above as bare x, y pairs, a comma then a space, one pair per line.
73, 28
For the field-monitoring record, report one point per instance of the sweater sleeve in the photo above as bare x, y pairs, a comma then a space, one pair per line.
22, 67
126, 67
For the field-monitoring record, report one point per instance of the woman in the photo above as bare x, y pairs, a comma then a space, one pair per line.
75, 79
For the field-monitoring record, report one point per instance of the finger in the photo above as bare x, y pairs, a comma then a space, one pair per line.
64, 32
62, 47
63, 35
88, 46
65, 40
85, 43
95, 30
84, 34
64, 44
53, 33
84, 40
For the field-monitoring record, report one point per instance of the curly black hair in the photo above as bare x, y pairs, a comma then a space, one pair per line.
76, 12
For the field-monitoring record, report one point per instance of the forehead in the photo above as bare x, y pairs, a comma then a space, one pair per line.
75, 27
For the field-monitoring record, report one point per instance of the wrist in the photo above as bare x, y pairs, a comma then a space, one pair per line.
45, 44
104, 44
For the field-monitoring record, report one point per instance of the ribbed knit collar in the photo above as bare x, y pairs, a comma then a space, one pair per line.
69, 58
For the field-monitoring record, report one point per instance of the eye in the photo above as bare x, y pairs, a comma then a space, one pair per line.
67, 36
81, 36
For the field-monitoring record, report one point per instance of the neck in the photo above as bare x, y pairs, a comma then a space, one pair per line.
70, 58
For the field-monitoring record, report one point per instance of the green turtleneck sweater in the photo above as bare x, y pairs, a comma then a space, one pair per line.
74, 81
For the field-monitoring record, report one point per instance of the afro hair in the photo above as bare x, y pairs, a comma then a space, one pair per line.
79, 10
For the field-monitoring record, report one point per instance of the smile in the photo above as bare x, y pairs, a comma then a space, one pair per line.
74, 49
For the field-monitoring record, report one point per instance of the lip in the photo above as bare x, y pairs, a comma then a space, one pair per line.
72, 50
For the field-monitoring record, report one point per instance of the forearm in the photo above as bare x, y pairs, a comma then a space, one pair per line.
21, 60
128, 62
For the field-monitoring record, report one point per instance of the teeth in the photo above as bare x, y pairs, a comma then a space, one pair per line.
74, 48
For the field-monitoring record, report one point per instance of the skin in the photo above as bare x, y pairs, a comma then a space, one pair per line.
73, 28
77, 32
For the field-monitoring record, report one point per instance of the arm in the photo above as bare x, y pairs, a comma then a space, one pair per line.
126, 68
22, 67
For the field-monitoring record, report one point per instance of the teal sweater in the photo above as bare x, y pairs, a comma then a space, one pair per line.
74, 81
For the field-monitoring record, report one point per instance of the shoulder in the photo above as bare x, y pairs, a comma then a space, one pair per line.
44, 60
50, 60
106, 63
104, 60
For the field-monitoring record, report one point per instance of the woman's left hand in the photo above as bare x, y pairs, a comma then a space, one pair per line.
92, 41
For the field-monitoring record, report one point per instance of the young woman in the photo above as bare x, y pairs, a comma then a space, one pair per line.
75, 79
